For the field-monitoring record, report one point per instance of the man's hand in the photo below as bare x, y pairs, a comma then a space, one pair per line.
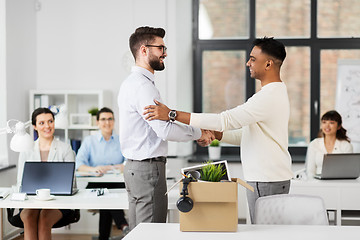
206, 138
159, 111
215, 135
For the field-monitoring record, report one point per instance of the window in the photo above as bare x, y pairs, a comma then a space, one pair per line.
329, 59
223, 19
316, 34
283, 19
223, 83
337, 18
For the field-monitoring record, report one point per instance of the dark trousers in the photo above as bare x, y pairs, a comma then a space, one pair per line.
105, 223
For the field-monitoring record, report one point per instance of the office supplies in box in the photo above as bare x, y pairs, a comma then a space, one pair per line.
223, 164
215, 206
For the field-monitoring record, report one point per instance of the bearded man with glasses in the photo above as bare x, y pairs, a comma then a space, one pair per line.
144, 143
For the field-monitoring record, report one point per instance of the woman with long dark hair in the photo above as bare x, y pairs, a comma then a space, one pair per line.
332, 138
37, 223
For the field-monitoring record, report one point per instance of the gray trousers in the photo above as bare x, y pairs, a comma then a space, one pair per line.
145, 183
262, 189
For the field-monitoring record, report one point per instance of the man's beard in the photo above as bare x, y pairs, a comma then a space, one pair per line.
156, 64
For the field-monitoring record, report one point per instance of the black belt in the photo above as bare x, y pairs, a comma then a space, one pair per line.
155, 159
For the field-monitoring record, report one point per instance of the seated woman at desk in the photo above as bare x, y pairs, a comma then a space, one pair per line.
38, 222
332, 139
101, 153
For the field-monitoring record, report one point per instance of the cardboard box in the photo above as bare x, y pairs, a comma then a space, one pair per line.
215, 206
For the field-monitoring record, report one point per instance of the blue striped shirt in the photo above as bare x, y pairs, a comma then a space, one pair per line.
96, 151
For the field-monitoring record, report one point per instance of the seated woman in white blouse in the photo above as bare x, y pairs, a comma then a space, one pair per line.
38, 222
332, 139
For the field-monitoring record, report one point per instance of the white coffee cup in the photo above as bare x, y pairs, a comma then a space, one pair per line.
43, 193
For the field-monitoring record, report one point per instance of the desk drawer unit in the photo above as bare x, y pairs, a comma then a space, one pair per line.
350, 198
330, 195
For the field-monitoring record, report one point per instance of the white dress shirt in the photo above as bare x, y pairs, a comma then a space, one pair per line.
316, 150
260, 126
141, 139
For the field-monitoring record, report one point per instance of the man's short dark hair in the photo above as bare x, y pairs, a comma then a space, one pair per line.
103, 110
144, 36
271, 47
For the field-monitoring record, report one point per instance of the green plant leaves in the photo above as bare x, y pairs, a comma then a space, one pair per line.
215, 143
212, 172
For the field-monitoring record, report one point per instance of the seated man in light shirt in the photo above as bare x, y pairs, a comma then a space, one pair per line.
101, 153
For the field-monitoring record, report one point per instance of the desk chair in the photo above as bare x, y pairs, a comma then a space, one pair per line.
16, 221
290, 209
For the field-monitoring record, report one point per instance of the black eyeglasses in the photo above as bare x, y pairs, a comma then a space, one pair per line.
106, 119
159, 46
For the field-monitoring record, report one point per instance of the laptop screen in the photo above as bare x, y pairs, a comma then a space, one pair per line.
341, 166
57, 176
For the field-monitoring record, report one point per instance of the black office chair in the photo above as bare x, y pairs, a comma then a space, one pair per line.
15, 220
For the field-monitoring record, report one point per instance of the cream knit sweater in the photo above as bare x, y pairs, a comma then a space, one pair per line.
260, 127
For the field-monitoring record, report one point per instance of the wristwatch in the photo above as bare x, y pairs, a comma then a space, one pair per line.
172, 115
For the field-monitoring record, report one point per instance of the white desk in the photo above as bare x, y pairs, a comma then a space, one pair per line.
165, 231
117, 199
337, 194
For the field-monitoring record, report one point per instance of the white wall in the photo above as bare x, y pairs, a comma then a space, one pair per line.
83, 44
3, 115
180, 84
21, 61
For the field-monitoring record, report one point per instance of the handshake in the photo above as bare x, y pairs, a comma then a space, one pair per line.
206, 138
161, 112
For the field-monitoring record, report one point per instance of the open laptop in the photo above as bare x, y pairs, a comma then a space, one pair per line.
340, 166
57, 176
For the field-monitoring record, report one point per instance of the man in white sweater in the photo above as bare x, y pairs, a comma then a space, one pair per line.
260, 125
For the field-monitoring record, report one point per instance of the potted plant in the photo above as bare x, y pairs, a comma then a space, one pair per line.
93, 112
214, 150
212, 172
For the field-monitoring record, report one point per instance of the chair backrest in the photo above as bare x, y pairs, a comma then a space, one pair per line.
291, 209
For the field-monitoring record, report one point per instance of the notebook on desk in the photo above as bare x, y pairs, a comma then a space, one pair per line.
57, 176
340, 166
